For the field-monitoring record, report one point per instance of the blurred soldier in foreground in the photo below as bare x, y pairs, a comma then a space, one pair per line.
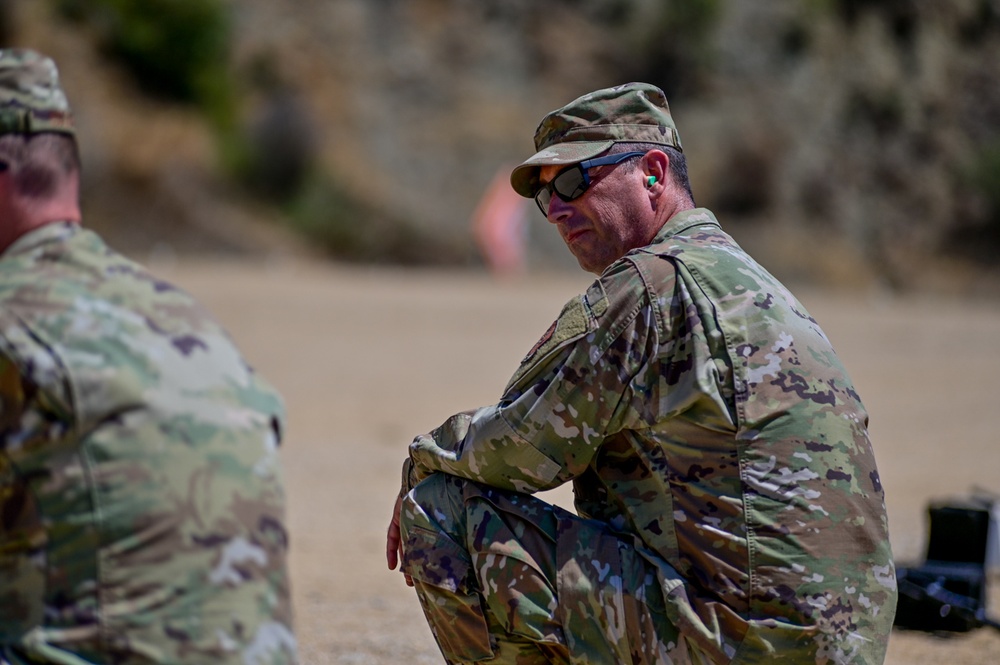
730, 510
141, 508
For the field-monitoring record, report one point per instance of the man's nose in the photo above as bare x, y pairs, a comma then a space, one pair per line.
559, 210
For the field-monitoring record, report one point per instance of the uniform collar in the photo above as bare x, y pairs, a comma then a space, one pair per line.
683, 221
43, 235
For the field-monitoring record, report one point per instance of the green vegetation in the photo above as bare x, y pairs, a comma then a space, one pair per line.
178, 50
175, 48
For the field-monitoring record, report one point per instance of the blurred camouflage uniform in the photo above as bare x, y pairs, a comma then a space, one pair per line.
731, 510
140, 494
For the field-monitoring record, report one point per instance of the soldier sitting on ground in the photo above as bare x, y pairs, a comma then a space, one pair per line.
141, 506
729, 506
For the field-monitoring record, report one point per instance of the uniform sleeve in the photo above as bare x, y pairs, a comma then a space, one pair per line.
30, 420
35, 406
586, 378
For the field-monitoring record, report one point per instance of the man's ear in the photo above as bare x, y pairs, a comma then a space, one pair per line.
655, 164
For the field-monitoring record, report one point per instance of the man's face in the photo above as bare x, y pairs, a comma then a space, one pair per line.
609, 219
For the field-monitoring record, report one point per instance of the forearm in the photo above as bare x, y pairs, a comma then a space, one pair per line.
572, 390
481, 446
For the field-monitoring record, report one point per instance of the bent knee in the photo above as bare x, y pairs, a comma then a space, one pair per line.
435, 503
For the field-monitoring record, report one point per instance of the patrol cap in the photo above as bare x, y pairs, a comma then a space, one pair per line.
589, 125
31, 99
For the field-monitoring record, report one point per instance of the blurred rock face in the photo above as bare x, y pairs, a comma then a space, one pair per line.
847, 121
283, 142
838, 140
6, 21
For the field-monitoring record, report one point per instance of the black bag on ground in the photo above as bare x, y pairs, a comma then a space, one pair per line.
947, 593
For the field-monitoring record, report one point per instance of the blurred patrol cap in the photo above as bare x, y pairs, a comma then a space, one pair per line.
31, 99
589, 125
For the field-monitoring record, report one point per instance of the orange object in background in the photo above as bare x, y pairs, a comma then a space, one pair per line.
499, 225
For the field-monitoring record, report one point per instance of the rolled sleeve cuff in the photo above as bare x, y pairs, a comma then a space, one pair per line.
408, 480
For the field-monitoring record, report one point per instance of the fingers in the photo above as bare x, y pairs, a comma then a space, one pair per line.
392, 548
393, 541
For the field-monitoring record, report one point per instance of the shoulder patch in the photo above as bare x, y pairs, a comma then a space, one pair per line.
546, 336
578, 317
574, 320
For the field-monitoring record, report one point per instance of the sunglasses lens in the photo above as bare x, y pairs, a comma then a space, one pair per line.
569, 184
543, 196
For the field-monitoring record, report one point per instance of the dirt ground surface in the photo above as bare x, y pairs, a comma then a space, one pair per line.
368, 358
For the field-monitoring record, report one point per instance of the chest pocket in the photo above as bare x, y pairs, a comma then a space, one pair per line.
578, 317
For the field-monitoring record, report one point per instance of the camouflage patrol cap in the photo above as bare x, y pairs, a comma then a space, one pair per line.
589, 125
31, 99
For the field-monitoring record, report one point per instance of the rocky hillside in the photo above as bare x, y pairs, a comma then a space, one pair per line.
846, 141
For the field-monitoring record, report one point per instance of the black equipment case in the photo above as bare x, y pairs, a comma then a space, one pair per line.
947, 593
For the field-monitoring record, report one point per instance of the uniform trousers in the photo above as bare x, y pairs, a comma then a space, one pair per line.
505, 577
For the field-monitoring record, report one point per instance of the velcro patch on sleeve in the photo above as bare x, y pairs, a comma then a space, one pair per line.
578, 317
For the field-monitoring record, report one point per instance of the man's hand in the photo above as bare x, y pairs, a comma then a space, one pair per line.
394, 543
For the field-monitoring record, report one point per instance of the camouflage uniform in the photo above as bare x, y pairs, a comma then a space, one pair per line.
141, 508
730, 510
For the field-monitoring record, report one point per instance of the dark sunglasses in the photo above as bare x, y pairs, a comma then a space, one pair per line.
573, 181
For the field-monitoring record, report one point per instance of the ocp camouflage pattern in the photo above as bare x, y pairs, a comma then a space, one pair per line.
590, 124
140, 492
704, 417
631, 105
31, 98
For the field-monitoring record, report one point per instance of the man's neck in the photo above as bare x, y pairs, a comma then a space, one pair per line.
21, 214
20, 220
667, 208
